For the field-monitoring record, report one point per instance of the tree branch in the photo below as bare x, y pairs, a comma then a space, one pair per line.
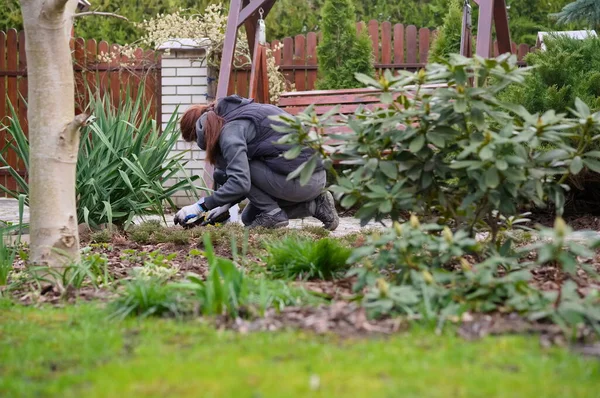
102, 14
72, 128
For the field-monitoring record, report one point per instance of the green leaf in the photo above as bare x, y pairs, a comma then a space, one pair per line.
501, 164
366, 80
478, 118
592, 164
592, 154
515, 160
437, 139
559, 201
293, 153
386, 98
556, 154
385, 207
582, 108
372, 164
390, 169
492, 179
460, 105
348, 201
417, 144
308, 170
576, 165
486, 153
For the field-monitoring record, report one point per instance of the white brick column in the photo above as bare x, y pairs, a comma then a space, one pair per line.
184, 83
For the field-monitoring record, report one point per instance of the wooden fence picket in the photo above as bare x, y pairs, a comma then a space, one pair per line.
395, 47
90, 74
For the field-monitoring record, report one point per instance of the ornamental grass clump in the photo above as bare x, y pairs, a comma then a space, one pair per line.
297, 258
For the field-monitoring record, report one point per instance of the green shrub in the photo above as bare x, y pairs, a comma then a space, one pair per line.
123, 165
414, 270
462, 155
306, 259
447, 40
568, 69
342, 52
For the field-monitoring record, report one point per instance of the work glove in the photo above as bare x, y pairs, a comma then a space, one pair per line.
190, 214
217, 211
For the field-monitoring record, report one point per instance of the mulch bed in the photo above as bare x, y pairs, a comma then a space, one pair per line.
343, 317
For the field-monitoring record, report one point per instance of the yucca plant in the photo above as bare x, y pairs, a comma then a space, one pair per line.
124, 162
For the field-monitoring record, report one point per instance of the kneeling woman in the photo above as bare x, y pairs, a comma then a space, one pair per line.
237, 136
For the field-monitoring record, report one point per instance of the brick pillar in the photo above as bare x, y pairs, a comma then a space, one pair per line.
184, 82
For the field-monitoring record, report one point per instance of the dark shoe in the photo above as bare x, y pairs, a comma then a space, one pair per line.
267, 220
326, 212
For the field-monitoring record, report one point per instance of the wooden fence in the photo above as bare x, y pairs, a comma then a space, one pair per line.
395, 47
92, 72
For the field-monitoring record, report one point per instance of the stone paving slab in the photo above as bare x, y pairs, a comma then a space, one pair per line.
9, 211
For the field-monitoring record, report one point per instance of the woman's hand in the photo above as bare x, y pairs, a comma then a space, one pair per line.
189, 214
216, 212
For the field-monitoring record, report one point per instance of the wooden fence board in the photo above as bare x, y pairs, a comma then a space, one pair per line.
522, 51
396, 47
311, 59
81, 97
107, 78
22, 82
114, 78
423, 45
22, 98
276, 51
374, 33
300, 59
91, 59
288, 57
3, 107
411, 44
103, 77
12, 50
386, 42
398, 43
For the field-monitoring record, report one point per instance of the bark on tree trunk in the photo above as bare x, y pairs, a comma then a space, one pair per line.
53, 131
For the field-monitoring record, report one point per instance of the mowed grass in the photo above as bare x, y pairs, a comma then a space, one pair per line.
78, 352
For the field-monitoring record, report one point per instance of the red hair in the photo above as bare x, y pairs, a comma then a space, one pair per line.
212, 128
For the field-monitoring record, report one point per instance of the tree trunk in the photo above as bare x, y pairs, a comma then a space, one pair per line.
53, 131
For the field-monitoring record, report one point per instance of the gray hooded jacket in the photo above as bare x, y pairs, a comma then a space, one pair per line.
247, 135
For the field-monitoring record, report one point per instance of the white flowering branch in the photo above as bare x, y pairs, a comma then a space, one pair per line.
206, 31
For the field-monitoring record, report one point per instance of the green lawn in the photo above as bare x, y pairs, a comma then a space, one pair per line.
77, 352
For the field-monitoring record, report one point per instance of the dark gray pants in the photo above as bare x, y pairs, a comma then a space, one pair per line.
271, 190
